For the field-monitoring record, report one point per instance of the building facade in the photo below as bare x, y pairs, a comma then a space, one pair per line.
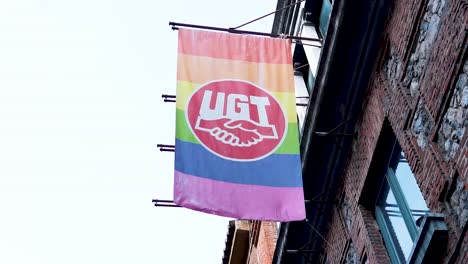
383, 110
250, 242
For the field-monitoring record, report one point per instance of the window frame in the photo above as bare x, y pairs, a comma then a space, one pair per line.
390, 182
432, 237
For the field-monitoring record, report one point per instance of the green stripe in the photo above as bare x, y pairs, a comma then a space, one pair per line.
183, 132
291, 141
290, 144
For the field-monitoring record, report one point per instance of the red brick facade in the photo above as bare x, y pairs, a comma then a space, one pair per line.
263, 249
415, 108
250, 242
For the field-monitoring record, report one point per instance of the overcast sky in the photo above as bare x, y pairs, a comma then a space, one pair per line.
80, 116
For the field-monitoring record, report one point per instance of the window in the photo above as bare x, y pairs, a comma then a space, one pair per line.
302, 98
306, 53
410, 233
325, 17
400, 208
311, 48
299, 22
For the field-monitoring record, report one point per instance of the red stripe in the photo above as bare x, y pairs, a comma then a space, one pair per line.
229, 46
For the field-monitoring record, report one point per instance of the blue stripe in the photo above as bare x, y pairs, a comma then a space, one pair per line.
276, 170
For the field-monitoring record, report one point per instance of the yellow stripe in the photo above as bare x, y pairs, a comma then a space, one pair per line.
184, 90
287, 100
272, 77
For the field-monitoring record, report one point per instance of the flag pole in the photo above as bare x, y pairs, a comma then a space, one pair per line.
164, 203
170, 203
176, 25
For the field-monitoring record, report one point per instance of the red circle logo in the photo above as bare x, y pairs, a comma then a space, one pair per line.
236, 119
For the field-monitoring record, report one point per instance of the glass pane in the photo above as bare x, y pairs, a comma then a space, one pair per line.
302, 98
325, 17
411, 190
300, 86
312, 53
310, 81
301, 113
398, 230
298, 25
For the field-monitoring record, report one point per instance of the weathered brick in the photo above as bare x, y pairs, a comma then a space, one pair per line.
389, 96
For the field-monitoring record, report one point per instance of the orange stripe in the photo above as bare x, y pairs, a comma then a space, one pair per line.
272, 77
228, 46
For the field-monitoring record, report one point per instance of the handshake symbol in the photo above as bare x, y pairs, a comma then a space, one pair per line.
238, 133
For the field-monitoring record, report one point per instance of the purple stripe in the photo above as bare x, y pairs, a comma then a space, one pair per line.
241, 201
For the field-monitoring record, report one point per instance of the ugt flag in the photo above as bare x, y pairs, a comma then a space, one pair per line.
237, 143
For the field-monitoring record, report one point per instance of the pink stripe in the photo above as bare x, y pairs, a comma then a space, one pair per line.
241, 201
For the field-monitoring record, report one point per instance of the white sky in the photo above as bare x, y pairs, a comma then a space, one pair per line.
80, 116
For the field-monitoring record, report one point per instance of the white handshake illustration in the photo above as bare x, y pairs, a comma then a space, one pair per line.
239, 133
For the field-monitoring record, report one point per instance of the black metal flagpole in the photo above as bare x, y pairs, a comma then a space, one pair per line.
176, 25
170, 203
164, 203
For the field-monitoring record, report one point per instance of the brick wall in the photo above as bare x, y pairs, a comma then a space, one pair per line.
262, 252
337, 242
421, 88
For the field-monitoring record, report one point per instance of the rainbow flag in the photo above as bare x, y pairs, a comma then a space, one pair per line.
237, 142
